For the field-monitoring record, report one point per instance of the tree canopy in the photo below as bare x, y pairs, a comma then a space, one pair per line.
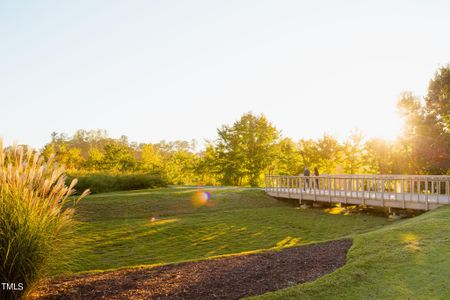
252, 146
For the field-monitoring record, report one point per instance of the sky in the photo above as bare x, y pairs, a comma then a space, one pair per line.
178, 70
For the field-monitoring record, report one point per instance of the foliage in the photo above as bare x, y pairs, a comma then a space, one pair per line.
101, 183
354, 154
246, 149
438, 98
252, 146
33, 221
427, 134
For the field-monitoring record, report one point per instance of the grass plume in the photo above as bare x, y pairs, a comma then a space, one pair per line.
34, 216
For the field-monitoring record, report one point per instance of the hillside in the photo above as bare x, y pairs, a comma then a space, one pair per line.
408, 260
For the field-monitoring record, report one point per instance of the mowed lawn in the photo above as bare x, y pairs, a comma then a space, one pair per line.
408, 260
116, 230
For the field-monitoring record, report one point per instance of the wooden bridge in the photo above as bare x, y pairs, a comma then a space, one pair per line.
421, 192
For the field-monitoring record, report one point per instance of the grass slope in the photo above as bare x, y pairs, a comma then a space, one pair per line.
116, 230
408, 260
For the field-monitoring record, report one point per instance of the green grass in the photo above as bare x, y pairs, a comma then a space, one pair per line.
116, 230
408, 260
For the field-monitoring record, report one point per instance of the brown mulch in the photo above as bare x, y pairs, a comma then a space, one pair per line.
231, 277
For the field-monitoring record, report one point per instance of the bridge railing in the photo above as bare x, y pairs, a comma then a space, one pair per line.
417, 188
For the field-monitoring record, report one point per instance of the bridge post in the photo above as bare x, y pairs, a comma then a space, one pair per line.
402, 190
329, 188
389, 188
278, 185
265, 184
289, 186
300, 194
438, 190
363, 192
382, 192
301, 186
426, 194
345, 189
432, 187
313, 183
447, 190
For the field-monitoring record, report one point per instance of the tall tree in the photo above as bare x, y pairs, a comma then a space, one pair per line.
354, 154
428, 125
207, 167
330, 154
438, 98
288, 160
246, 149
379, 156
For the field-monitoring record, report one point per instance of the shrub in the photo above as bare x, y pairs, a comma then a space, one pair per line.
101, 183
33, 217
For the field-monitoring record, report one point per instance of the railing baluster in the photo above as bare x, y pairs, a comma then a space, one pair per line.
345, 189
447, 188
329, 188
363, 192
403, 193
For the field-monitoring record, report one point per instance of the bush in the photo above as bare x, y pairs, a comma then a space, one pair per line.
33, 217
101, 183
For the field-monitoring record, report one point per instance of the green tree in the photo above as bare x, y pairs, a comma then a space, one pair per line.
427, 130
287, 160
246, 149
151, 159
438, 99
309, 154
353, 160
379, 156
118, 157
329, 154
207, 167
64, 152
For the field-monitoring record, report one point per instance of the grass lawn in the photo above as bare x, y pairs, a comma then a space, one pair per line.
408, 260
116, 229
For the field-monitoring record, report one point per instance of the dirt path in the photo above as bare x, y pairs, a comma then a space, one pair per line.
224, 278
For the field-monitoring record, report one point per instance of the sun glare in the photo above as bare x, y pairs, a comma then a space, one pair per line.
388, 128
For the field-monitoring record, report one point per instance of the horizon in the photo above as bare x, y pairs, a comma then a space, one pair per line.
178, 71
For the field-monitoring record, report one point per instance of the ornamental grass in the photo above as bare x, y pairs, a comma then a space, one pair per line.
36, 213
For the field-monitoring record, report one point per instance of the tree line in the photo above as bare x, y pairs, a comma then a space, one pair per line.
251, 147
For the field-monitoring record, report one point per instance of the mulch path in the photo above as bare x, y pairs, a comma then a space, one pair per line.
231, 277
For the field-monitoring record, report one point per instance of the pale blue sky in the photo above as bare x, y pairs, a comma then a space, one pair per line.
171, 70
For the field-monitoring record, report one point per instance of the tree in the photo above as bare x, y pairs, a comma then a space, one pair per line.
207, 167
428, 125
379, 156
438, 98
64, 152
118, 156
288, 160
246, 149
151, 159
309, 155
354, 154
329, 154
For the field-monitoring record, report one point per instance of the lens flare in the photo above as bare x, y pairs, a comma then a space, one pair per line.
201, 198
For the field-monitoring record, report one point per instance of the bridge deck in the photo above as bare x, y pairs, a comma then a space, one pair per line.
408, 192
